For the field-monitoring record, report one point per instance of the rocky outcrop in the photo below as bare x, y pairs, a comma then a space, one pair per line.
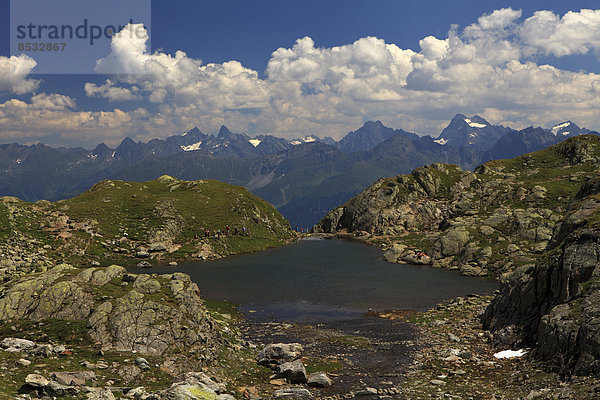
554, 305
488, 222
387, 207
150, 315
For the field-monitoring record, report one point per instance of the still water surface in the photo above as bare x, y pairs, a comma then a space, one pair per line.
322, 280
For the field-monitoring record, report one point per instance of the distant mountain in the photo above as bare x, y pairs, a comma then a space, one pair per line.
533, 139
368, 136
473, 131
304, 178
524, 141
568, 129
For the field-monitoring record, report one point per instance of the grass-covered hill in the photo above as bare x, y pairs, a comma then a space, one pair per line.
485, 222
129, 222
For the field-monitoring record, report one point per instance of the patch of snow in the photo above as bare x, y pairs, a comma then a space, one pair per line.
474, 124
441, 141
510, 354
254, 142
192, 147
93, 156
558, 127
19, 160
307, 139
565, 133
113, 154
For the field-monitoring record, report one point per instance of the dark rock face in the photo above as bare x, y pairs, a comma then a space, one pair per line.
474, 132
555, 305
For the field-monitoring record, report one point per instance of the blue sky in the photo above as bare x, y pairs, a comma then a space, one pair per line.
380, 59
250, 31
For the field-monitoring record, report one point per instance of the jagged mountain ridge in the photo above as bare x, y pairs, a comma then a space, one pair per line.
265, 164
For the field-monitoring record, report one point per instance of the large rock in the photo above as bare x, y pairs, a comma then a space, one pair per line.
129, 320
452, 242
35, 383
507, 206
77, 378
40, 296
146, 284
16, 344
101, 394
189, 392
274, 354
293, 371
319, 379
293, 394
200, 379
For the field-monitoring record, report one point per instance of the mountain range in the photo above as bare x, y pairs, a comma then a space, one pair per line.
304, 178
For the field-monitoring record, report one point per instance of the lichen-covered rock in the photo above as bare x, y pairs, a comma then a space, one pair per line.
146, 284
452, 242
39, 297
189, 392
134, 322
126, 320
101, 394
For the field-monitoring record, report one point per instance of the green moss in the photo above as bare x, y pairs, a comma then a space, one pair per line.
55, 330
348, 340
322, 365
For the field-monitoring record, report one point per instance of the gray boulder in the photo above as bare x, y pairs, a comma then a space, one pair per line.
101, 394
274, 354
200, 379
319, 379
78, 378
293, 394
293, 371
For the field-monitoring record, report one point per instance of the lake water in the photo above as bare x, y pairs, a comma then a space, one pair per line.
322, 280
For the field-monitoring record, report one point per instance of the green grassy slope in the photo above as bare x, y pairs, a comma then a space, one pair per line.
165, 218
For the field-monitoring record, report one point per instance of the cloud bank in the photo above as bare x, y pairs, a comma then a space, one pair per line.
490, 67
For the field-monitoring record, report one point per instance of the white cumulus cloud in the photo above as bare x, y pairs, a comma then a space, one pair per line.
574, 33
13, 74
490, 67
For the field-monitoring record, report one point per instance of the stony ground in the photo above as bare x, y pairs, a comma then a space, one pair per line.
358, 355
456, 361
439, 354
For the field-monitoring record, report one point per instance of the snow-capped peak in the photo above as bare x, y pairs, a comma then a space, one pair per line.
192, 147
556, 128
441, 141
254, 142
474, 124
